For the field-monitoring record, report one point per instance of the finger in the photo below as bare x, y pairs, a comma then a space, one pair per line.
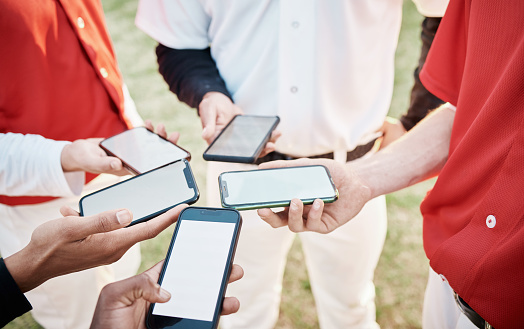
237, 273
161, 130
274, 219
275, 135
230, 305
208, 116
314, 217
149, 125
154, 272
270, 147
295, 216
173, 137
151, 228
104, 222
68, 211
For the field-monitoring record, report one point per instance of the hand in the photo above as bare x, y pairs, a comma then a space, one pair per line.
392, 129
74, 243
161, 130
124, 304
216, 110
87, 155
353, 194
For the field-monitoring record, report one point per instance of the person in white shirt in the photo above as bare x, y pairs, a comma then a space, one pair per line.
326, 69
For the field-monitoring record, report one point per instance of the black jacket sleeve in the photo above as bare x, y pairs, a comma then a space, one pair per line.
422, 101
12, 301
190, 73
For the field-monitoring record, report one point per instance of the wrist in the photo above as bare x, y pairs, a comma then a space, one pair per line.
24, 270
66, 159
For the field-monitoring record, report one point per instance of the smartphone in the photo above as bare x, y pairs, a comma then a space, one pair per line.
242, 140
268, 188
146, 195
196, 269
142, 150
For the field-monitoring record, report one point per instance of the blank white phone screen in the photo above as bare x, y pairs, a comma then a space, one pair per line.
143, 195
243, 136
143, 150
277, 185
195, 270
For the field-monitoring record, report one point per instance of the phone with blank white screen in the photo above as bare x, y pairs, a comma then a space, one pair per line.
142, 150
276, 187
242, 140
196, 269
146, 195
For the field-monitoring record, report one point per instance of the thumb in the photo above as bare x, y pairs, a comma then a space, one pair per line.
103, 222
208, 116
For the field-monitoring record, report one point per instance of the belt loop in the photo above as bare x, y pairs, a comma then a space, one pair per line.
340, 156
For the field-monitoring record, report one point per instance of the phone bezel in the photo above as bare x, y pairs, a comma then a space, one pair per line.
241, 159
192, 213
126, 164
273, 204
188, 174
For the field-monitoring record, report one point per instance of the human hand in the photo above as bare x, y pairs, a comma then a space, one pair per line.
87, 155
320, 217
216, 110
124, 304
392, 129
161, 130
75, 243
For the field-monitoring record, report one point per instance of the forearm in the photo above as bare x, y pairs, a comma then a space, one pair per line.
31, 165
190, 73
418, 155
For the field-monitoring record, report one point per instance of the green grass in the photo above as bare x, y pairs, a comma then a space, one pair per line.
401, 274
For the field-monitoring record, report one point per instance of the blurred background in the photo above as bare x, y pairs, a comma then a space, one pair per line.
400, 277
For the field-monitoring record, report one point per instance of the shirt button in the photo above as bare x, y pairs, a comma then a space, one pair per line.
295, 25
104, 73
80, 22
491, 221
294, 89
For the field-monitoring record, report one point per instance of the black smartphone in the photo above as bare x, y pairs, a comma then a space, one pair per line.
142, 150
196, 269
268, 188
146, 195
242, 140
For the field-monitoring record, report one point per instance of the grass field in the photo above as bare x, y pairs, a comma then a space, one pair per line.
401, 274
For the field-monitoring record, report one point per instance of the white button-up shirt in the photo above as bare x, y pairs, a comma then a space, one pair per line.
325, 67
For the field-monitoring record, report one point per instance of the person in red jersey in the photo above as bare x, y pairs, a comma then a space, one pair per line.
59, 79
474, 216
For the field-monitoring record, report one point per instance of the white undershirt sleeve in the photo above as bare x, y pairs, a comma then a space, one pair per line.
30, 165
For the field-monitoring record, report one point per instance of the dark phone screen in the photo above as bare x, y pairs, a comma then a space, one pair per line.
243, 136
145, 194
142, 149
196, 268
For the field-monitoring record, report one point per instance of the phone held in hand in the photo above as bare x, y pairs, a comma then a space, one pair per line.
142, 150
146, 195
275, 187
242, 140
196, 269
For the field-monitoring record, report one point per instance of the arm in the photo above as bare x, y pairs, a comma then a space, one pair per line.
124, 304
74, 243
422, 101
416, 156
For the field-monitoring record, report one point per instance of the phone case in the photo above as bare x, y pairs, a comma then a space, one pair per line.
239, 159
128, 166
273, 204
189, 176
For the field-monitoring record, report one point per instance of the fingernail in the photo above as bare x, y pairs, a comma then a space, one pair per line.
124, 217
114, 165
164, 294
204, 131
294, 206
316, 204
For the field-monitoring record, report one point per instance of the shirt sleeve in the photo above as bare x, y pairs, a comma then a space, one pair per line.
190, 73
431, 8
179, 24
12, 301
30, 165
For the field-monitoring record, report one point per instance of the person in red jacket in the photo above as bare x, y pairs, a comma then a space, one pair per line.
58, 79
474, 216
